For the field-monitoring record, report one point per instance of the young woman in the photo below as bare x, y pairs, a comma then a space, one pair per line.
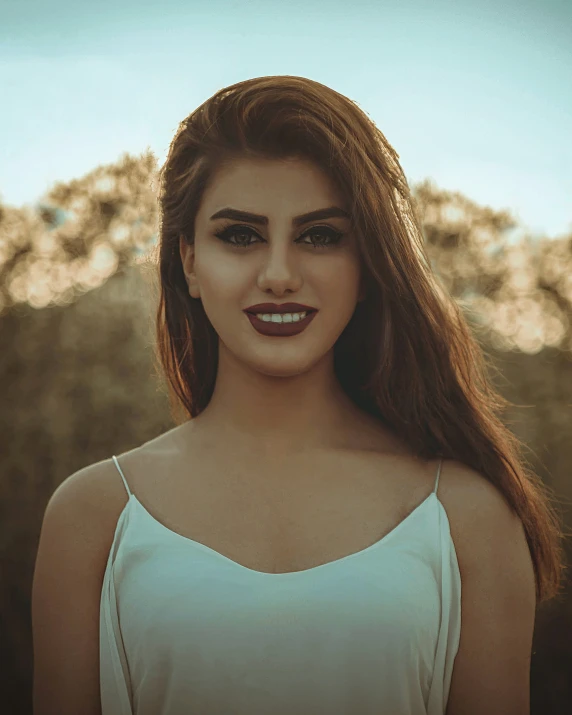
339, 522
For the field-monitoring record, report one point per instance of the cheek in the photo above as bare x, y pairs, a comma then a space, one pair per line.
340, 276
221, 277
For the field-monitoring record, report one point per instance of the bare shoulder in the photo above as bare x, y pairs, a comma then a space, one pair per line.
92, 498
472, 501
98, 487
487, 534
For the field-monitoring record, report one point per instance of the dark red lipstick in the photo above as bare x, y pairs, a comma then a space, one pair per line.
280, 329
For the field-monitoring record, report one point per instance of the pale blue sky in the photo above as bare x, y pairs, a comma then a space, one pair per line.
476, 94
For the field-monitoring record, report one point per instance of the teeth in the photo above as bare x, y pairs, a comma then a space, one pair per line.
281, 317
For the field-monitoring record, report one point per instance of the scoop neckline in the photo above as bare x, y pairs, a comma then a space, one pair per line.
312, 569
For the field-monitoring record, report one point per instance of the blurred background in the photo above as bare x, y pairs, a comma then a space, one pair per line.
476, 98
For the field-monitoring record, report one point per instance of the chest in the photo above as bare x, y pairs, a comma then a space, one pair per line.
292, 518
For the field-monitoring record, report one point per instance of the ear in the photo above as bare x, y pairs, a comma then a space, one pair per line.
187, 253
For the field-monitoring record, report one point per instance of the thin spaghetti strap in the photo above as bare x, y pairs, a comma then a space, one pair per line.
438, 475
122, 475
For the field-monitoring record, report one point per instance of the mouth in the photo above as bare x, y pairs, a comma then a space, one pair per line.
280, 329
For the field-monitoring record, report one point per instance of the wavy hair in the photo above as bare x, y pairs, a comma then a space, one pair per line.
407, 356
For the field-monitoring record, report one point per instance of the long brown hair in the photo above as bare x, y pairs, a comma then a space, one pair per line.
407, 355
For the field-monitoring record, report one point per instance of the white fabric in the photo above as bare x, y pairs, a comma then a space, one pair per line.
185, 630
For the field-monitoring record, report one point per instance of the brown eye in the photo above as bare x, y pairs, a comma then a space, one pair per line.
231, 232
226, 234
334, 237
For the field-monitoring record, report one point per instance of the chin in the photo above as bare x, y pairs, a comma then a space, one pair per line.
283, 367
281, 370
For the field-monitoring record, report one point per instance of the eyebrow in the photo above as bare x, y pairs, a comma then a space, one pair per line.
330, 212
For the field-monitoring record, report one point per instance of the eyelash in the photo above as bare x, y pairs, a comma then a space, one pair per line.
230, 231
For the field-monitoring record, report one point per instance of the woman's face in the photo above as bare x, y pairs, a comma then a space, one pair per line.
274, 261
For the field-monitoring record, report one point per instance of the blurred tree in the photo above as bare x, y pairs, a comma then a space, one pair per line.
519, 294
79, 235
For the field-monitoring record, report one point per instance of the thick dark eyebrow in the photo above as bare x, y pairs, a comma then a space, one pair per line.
235, 214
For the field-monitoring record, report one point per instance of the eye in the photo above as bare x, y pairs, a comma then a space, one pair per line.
226, 234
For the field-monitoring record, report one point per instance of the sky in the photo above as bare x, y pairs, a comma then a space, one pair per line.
474, 94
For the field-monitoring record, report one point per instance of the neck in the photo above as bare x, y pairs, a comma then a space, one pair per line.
278, 414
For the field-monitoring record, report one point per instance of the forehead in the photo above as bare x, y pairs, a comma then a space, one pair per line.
295, 185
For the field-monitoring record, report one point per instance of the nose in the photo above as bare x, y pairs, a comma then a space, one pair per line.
280, 271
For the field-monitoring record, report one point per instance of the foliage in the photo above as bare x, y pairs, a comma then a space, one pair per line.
518, 293
79, 235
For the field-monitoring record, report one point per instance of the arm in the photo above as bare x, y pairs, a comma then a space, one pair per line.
491, 674
66, 591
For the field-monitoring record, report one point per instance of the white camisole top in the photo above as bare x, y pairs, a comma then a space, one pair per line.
185, 630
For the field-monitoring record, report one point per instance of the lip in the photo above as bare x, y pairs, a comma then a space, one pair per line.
279, 308
280, 329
